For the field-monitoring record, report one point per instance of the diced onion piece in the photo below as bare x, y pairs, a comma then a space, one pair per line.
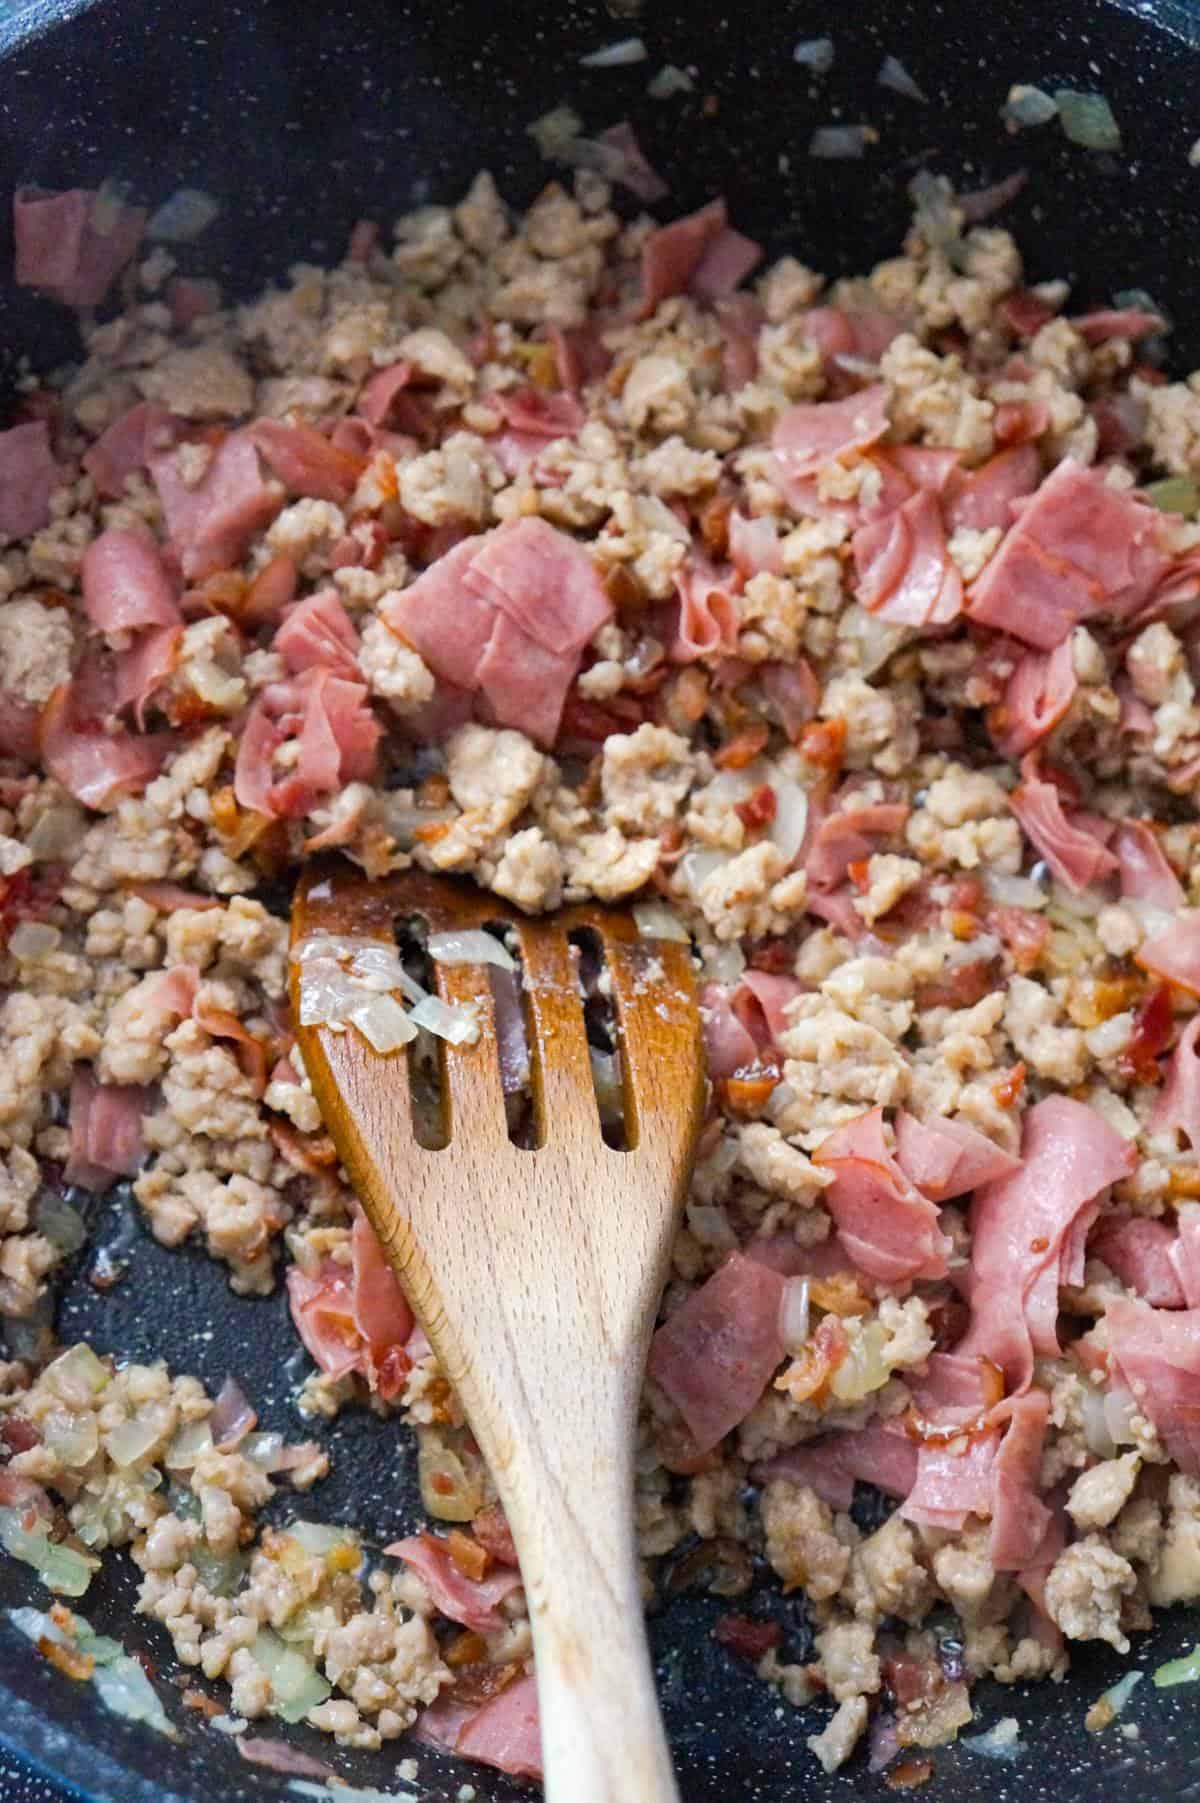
841, 143
124, 1688
379, 967
616, 56
194, 1438
76, 1375
131, 1441
263, 1450
56, 832
296, 1684
72, 1438
655, 920
815, 54
1029, 106
1002, 1742
60, 1568
36, 1625
696, 866
1174, 494
669, 80
61, 1224
1120, 1408
892, 74
725, 961
183, 217
112, 197
863, 1370
1088, 120
554, 132
1117, 1697
383, 1023
451, 1490
458, 1025
1014, 891
319, 1536
794, 1314
221, 1573
1096, 1431
470, 946
33, 939
790, 824
1178, 1671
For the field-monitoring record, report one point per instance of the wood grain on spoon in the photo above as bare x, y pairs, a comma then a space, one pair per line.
536, 1275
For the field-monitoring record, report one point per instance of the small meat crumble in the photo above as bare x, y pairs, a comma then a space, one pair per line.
847, 628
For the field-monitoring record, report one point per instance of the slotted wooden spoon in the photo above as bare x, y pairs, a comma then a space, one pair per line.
536, 1275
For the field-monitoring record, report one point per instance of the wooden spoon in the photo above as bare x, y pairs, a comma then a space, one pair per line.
536, 1274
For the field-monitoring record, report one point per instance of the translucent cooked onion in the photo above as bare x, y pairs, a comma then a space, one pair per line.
319, 1537
296, 1684
33, 939
606, 1079
863, 1370
555, 132
451, 1489
840, 143
655, 920
124, 1688
56, 832
695, 866
383, 1024
402, 817
264, 1450
725, 961
194, 1438
1087, 119
1014, 891
76, 1375
892, 74
458, 1025
129, 1443
60, 1568
1029, 106
1118, 1696
470, 946
61, 1224
1096, 1431
219, 1572
379, 967
790, 824
1003, 1742
183, 217
794, 1314
669, 80
327, 995
814, 53
616, 56
72, 1438
1119, 1411
1178, 1671
1174, 494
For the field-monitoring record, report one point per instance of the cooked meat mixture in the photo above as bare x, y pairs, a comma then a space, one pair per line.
848, 629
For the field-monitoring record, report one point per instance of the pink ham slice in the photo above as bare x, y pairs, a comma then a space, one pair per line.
338, 738
144, 666
106, 1131
729, 1045
1036, 697
876, 1454
700, 252
211, 522
763, 1001
953, 1481
1073, 845
888, 1229
1028, 1231
708, 616
1145, 872
635, 173
1185, 1253
127, 446
125, 583
72, 245
351, 1322
1156, 1354
1175, 953
948, 1158
850, 835
1079, 548
472, 1602
1177, 1108
95, 765
1117, 322
815, 433
524, 684
28, 477
983, 497
905, 573
443, 618
305, 461
544, 581
1020, 1519
319, 634
381, 1314
1141, 1253
728, 259
504, 1732
380, 392
716, 1354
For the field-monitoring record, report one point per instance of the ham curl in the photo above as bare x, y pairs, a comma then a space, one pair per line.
1178, 1106
504, 1732
337, 734
1020, 1519
983, 497
905, 573
1036, 697
700, 253
1156, 1354
815, 433
1175, 954
948, 1158
708, 615
888, 1229
1073, 846
876, 1454
95, 765
28, 477
127, 446
72, 245
1028, 1232
305, 461
1141, 1252
472, 1602
1079, 548
717, 1353
1145, 872
106, 1131
356, 1318
125, 584
319, 633
210, 522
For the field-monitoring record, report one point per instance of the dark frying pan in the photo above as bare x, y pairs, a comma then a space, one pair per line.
302, 116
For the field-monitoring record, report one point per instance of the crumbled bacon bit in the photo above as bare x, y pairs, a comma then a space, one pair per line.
713, 522
747, 1638
491, 1529
624, 590
1150, 1035
743, 747
758, 809
823, 742
960, 987
465, 1649
1006, 1089
68, 1660
838, 1294
747, 1094
909, 1774
467, 1554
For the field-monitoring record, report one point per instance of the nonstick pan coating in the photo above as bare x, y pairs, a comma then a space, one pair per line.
300, 117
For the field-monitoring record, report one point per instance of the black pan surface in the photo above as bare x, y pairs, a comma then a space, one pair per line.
301, 117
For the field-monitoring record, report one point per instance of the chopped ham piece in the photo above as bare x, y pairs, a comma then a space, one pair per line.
125, 583
580, 355
126, 447
953, 1481
905, 573
716, 1354
381, 1314
948, 1158
210, 522
1073, 845
1185, 1253
1156, 1354
504, 1732
355, 1318
535, 419
338, 737
727, 261
378, 397
1140, 1252
952, 1392
305, 461
72, 245
525, 684
28, 478
780, 1252
94, 764
762, 1000
544, 581
1036, 697
1178, 1105
144, 666
793, 692
742, 319
318, 633
636, 172
876, 1454
1079, 548
700, 252
729, 1045
888, 1229
442, 616
1145, 872
322, 1307
708, 616
473, 1602
1175, 953
819, 432
1028, 1230
1020, 1519
1117, 322
106, 1131
983, 497
848, 836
